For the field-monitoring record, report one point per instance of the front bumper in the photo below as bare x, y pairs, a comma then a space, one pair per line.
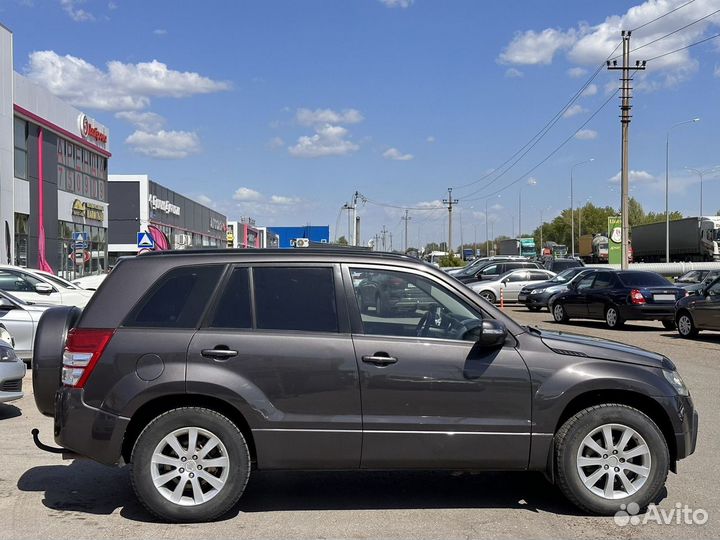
648, 312
684, 419
540, 300
11, 377
86, 430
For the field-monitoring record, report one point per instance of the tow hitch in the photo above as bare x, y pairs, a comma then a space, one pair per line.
66, 454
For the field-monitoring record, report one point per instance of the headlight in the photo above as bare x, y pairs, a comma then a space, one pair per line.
674, 378
537, 291
8, 355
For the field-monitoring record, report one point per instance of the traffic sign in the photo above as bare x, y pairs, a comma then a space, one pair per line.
145, 240
80, 240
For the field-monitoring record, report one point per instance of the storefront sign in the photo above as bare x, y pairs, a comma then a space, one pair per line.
89, 131
94, 212
217, 224
615, 237
163, 206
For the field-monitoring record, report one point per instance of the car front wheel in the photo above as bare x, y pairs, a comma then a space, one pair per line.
190, 465
686, 326
611, 455
612, 318
559, 313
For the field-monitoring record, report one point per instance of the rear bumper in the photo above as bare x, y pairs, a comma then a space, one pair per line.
86, 430
648, 312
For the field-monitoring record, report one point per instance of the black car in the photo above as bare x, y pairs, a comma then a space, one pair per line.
616, 297
200, 367
558, 265
492, 270
700, 311
692, 287
538, 295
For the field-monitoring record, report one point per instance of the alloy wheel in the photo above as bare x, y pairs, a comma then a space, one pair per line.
685, 325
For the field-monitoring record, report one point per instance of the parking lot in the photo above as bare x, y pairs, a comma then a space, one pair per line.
43, 496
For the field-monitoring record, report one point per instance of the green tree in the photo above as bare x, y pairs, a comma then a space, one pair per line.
343, 241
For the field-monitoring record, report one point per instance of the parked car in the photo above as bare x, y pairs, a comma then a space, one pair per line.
90, 283
510, 283
20, 320
200, 367
12, 371
31, 287
382, 294
493, 269
692, 277
481, 261
700, 311
57, 280
537, 295
693, 288
616, 297
558, 265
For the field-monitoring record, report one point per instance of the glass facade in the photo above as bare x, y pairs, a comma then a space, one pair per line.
76, 263
22, 231
20, 157
81, 171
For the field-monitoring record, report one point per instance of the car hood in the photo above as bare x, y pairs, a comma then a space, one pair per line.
544, 285
602, 349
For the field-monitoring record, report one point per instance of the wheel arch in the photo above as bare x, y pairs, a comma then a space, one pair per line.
160, 405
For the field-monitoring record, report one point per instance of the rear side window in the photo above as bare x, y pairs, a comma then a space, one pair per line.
300, 298
643, 279
233, 309
603, 280
178, 299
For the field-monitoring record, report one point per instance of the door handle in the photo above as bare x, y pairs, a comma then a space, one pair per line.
218, 354
380, 359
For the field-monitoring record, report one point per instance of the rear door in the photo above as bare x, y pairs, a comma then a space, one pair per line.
432, 397
513, 283
277, 346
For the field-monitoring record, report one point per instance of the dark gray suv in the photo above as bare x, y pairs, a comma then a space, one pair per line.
199, 367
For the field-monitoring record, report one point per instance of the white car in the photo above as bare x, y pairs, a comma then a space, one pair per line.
36, 288
19, 319
12, 371
510, 283
89, 283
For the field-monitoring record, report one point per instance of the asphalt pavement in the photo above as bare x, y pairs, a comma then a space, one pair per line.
42, 496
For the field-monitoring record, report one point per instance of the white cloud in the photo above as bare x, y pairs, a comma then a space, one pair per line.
574, 110
717, 71
530, 47
591, 90
513, 73
397, 155
76, 14
112, 6
586, 135
164, 144
246, 194
205, 200
641, 177
145, 121
121, 87
577, 72
307, 117
276, 142
398, 3
430, 139
160, 32
283, 200
328, 140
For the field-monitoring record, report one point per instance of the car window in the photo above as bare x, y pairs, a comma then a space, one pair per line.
714, 289
61, 282
233, 309
586, 282
411, 306
518, 276
17, 281
178, 299
603, 280
537, 276
295, 298
491, 270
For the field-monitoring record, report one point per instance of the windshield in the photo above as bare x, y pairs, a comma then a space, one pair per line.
565, 275
692, 276
711, 277
59, 281
643, 279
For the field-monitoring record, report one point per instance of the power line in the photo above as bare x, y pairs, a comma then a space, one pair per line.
401, 207
683, 48
661, 16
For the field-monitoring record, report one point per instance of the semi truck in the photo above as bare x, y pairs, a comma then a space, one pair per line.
524, 247
691, 239
594, 248
553, 249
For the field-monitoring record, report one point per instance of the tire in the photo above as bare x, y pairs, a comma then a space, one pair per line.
224, 489
613, 320
686, 326
668, 325
48, 346
489, 296
642, 488
559, 313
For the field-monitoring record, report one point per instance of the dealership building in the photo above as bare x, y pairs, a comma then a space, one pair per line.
137, 202
53, 178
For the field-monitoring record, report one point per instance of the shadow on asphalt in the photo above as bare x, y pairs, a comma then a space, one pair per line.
702, 336
87, 487
600, 325
9, 411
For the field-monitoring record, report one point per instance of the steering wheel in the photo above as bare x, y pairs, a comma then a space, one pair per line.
436, 317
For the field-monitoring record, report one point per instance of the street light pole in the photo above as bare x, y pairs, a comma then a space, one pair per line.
572, 206
667, 185
701, 174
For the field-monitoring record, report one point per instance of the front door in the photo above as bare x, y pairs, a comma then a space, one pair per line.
597, 296
576, 301
432, 397
513, 283
707, 308
277, 347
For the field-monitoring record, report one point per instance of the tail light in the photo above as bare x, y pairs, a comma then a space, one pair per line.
636, 297
83, 349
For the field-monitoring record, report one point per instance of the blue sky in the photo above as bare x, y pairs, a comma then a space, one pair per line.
280, 110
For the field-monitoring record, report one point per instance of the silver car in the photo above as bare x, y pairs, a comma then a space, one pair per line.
20, 319
12, 371
510, 283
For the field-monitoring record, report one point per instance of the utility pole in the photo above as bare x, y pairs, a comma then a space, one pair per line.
625, 118
390, 235
406, 218
450, 202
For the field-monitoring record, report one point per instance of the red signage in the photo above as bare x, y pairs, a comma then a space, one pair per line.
91, 132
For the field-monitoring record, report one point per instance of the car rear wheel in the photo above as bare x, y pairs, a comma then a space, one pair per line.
189, 465
611, 455
686, 326
489, 296
613, 320
559, 313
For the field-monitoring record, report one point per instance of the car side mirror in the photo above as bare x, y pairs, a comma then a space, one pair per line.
492, 333
43, 288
